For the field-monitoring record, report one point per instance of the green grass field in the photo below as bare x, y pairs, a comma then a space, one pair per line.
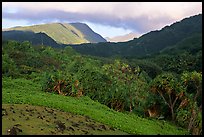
22, 91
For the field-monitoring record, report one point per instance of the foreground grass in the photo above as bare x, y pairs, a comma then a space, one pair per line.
22, 91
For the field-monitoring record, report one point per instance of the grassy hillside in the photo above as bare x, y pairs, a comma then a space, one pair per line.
63, 33
22, 91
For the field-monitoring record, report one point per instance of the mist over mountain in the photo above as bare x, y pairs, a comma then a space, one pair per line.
123, 38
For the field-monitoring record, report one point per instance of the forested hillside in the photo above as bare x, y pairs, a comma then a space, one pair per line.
148, 44
141, 87
34, 38
186, 55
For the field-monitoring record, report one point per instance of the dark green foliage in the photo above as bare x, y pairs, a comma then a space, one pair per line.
115, 85
191, 44
193, 83
126, 85
148, 44
184, 56
177, 63
152, 69
28, 59
168, 92
8, 66
34, 38
64, 85
180, 96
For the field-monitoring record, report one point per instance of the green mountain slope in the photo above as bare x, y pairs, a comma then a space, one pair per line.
88, 33
169, 35
148, 44
64, 33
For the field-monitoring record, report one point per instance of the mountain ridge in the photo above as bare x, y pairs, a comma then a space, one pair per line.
63, 33
147, 44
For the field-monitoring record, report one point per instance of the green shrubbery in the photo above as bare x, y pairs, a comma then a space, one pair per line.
115, 85
123, 86
180, 98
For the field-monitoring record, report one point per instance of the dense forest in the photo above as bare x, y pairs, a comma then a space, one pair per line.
148, 44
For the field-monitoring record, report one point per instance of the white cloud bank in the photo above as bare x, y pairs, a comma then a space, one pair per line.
138, 16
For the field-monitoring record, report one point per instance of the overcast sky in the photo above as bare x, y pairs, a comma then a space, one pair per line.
106, 18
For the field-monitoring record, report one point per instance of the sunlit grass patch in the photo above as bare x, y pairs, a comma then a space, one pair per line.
22, 91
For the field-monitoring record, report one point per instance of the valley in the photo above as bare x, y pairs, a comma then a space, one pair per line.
70, 80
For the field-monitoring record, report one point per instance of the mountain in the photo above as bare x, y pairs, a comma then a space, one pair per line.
123, 38
34, 38
169, 35
88, 33
64, 33
149, 43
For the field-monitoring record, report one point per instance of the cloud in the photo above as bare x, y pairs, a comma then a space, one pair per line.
138, 16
